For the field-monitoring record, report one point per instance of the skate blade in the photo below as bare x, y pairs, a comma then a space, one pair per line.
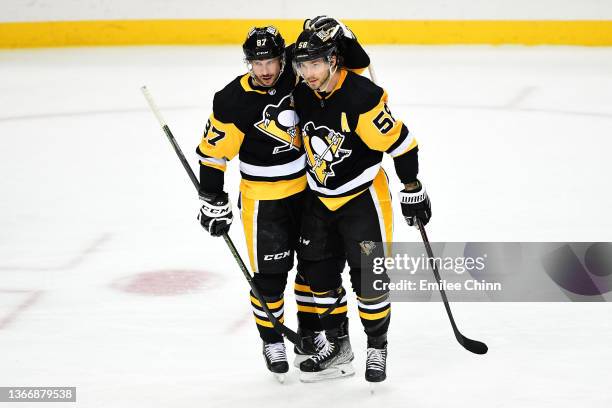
299, 358
339, 371
280, 377
373, 387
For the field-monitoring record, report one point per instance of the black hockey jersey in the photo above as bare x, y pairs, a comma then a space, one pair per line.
260, 125
345, 133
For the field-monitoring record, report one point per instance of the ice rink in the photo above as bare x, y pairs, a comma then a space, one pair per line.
108, 283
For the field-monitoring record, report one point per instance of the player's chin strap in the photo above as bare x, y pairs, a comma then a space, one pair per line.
323, 88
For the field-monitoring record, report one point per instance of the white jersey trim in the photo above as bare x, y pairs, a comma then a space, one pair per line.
366, 176
274, 171
403, 146
212, 160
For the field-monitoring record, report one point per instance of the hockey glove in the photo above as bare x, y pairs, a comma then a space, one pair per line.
216, 213
415, 204
320, 22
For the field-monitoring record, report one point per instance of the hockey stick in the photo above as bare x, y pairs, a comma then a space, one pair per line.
278, 326
372, 73
474, 346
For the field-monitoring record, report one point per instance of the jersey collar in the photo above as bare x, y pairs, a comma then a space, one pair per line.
246, 85
343, 73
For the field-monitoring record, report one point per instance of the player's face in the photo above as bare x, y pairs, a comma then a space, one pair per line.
316, 73
266, 71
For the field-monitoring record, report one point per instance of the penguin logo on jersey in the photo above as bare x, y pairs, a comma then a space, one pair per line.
323, 150
281, 123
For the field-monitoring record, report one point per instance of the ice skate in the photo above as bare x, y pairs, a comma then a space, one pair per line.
312, 342
376, 360
276, 360
333, 360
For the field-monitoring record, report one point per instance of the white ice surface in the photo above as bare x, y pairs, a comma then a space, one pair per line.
515, 145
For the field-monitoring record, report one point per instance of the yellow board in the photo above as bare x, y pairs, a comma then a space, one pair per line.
218, 32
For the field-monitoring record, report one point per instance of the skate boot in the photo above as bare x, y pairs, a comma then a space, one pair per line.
376, 360
276, 359
312, 342
333, 360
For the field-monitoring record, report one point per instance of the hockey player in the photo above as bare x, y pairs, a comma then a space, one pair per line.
346, 127
254, 117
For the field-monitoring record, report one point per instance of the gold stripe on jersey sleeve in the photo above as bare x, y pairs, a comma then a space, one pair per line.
221, 140
377, 128
272, 190
333, 203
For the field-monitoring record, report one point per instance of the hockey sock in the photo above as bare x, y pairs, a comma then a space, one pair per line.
375, 314
308, 318
331, 307
276, 306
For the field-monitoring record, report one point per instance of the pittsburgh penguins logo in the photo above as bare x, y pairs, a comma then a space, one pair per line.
281, 123
323, 150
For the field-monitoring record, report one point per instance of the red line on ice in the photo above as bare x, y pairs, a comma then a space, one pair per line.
29, 301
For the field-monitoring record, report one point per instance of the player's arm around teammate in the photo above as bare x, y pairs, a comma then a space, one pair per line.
254, 120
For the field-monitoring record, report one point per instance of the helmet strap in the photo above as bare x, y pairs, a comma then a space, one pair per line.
323, 87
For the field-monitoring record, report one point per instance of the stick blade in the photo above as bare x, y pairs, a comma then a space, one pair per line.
476, 347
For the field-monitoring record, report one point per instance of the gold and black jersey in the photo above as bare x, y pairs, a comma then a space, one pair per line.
260, 126
345, 133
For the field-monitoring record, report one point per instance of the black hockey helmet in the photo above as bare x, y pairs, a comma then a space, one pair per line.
320, 43
263, 43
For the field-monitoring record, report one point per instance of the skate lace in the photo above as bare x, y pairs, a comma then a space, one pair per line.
325, 352
376, 359
275, 352
320, 340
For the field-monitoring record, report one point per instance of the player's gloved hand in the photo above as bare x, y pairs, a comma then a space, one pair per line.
415, 204
320, 22
216, 213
